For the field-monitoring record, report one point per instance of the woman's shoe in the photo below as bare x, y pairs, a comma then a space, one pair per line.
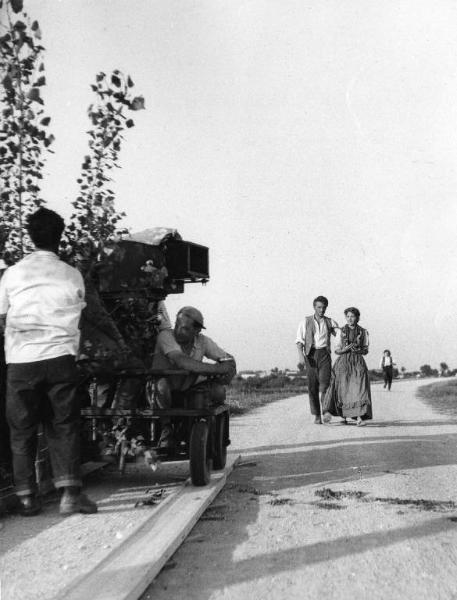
360, 423
327, 417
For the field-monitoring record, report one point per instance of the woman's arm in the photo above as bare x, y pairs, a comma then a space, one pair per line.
339, 347
364, 349
345, 349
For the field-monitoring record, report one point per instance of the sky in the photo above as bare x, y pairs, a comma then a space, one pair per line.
311, 145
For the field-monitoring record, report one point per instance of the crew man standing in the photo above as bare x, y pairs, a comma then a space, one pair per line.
41, 299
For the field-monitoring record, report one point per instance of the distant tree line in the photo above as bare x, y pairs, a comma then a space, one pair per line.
278, 379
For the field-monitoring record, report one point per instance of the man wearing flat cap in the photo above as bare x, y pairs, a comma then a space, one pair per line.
185, 347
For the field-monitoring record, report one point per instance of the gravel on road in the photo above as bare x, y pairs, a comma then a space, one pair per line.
329, 511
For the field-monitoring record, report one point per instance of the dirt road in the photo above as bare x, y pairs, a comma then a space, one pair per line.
329, 511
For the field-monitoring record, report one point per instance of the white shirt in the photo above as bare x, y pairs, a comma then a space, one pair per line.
42, 298
388, 362
320, 332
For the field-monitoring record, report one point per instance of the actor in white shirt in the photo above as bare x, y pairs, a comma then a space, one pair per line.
42, 298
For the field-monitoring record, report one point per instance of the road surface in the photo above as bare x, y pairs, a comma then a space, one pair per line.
329, 511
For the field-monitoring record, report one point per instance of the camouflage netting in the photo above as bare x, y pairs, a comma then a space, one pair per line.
125, 289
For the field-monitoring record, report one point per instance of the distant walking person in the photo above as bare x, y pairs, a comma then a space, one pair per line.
314, 351
387, 366
349, 394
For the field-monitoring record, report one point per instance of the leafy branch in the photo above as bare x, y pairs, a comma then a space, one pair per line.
95, 216
23, 127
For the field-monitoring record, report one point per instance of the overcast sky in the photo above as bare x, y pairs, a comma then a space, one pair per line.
311, 145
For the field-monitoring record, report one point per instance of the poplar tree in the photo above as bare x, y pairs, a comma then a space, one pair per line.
24, 136
95, 215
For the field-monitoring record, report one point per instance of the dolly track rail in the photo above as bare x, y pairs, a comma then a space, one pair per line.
127, 571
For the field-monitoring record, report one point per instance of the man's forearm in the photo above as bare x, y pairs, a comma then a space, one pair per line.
195, 366
300, 352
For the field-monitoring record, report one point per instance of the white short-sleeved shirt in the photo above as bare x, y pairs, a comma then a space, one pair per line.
386, 361
203, 347
320, 332
42, 298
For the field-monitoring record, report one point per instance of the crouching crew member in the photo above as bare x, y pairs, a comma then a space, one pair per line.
185, 347
42, 298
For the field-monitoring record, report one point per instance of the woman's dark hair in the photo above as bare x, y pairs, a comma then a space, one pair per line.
388, 351
355, 311
322, 299
45, 228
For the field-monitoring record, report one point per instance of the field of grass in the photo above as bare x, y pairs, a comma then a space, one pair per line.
241, 402
442, 397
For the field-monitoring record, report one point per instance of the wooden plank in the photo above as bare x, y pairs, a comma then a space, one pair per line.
127, 571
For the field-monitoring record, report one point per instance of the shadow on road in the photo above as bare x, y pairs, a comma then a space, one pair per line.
231, 572
212, 563
409, 423
113, 492
336, 461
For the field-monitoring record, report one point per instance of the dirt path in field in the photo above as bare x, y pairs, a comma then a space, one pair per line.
329, 511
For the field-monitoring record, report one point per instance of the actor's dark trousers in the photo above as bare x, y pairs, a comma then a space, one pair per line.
388, 374
318, 369
44, 391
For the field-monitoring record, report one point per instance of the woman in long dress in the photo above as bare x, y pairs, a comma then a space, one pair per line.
349, 395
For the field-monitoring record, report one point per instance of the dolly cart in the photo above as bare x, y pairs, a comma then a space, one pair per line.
201, 432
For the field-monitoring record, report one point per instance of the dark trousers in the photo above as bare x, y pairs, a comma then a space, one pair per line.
5, 450
388, 374
44, 392
318, 369
206, 391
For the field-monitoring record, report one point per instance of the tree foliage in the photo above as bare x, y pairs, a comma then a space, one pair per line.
95, 216
427, 371
23, 125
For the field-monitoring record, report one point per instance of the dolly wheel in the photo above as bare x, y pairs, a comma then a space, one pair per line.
220, 441
200, 462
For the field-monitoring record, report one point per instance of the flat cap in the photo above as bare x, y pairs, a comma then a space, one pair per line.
192, 313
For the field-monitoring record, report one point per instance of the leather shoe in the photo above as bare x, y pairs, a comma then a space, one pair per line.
70, 505
318, 421
29, 505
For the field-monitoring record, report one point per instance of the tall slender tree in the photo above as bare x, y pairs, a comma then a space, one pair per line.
23, 126
95, 215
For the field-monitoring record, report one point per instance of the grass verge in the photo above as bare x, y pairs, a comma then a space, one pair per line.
442, 397
242, 402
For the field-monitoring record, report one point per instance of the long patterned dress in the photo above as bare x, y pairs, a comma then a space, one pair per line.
349, 392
